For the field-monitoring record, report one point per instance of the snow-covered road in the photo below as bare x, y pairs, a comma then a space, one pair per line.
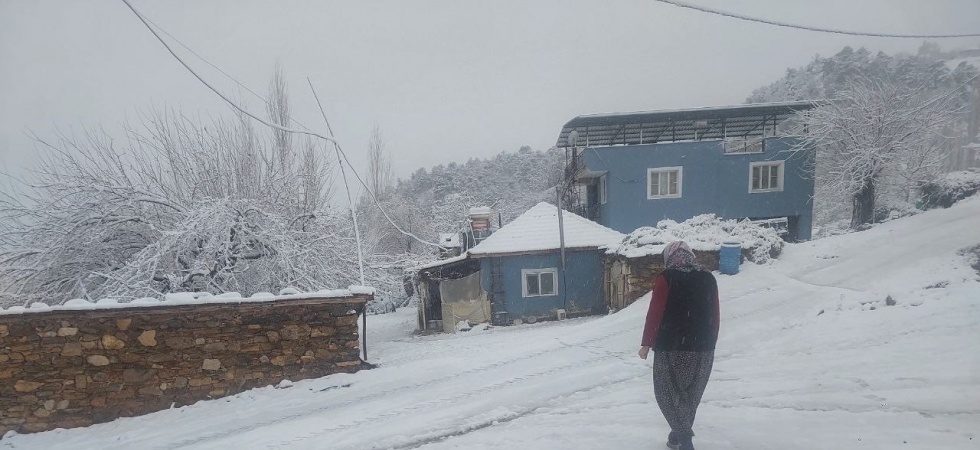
810, 357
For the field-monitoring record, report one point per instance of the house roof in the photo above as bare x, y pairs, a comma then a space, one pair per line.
537, 230
647, 127
441, 262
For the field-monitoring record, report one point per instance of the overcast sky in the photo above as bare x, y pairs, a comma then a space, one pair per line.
445, 80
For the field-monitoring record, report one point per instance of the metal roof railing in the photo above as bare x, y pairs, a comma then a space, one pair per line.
753, 120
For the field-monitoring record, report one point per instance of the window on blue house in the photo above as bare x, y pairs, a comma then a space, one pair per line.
540, 282
664, 182
766, 176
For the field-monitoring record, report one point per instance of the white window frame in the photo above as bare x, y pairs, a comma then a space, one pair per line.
603, 190
525, 272
781, 178
680, 181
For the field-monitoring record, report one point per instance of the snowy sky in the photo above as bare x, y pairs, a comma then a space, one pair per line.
446, 80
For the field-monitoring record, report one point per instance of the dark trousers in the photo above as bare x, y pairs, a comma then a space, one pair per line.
679, 379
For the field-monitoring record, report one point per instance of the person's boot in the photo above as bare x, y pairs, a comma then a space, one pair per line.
686, 443
673, 441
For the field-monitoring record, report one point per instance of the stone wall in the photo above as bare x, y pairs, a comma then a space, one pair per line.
61, 369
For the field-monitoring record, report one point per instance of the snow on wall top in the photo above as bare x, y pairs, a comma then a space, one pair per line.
189, 298
704, 232
537, 230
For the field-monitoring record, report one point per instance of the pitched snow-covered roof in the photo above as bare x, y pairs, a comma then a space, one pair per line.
537, 230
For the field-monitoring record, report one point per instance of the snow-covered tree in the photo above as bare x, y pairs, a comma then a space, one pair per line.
178, 206
379, 165
876, 135
930, 71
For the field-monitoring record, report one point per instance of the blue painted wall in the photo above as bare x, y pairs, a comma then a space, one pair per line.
712, 182
580, 289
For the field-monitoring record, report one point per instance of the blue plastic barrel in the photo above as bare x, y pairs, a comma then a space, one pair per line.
730, 257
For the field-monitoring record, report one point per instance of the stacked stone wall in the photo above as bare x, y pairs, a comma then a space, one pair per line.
62, 369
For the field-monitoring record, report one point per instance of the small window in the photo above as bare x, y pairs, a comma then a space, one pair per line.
602, 190
744, 145
540, 282
780, 224
664, 182
766, 176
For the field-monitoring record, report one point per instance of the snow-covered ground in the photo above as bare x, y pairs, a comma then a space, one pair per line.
810, 357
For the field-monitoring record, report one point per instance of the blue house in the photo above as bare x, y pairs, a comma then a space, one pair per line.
630, 170
537, 267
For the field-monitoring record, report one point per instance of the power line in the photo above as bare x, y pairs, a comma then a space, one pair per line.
367, 189
684, 4
278, 127
955, 90
213, 89
226, 74
343, 173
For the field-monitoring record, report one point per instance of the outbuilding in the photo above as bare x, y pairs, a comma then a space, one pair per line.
545, 264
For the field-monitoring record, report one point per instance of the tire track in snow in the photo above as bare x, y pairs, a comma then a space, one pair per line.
448, 433
856, 409
453, 398
376, 395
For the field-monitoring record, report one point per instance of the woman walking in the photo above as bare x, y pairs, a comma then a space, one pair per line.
681, 328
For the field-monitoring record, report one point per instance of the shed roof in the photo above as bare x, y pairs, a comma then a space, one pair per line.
441, 262
537, 230
597, 130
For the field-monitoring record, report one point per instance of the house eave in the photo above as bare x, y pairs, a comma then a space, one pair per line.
530, 252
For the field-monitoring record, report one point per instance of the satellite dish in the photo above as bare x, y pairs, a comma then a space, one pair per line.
572, 138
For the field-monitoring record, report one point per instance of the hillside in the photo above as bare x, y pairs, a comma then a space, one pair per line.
811, 356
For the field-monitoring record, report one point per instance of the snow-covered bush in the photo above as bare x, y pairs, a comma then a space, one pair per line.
705, 232
949, 189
